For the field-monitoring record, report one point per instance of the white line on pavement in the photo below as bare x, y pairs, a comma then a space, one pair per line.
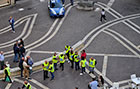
39, 84
17, 22
110, 3
123, 38
104, 65
23, 32
120, 16
21, 81
122, 43
8, 86
124, 81
139, 46
91, 75
94, 54
99, 73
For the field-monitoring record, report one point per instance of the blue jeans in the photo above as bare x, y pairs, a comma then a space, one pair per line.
91, 69
12, 25
83, 69
52, 74
16, 57
55, 66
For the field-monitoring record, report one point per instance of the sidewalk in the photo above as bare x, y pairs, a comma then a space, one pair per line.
4, 3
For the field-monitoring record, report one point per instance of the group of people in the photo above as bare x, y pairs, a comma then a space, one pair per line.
72, 58
19, 50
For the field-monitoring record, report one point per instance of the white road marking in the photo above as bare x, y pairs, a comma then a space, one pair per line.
123, 43
104, 65
17, 22
99, 73
91, 75
97, 9
125, 87
94, 54
110, 3
39, 84
23, 32
120, 16
8, 86
139, 46
42, 0
114, 55
124, 81
124, 38
21, 9
21, 81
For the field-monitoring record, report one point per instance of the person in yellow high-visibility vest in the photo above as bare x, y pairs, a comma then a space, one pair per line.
67, 48
27, 85
71, 57
83, 65
62, 61
45, 69
92, 63
76, 60
55, 61
7, 74
51, 69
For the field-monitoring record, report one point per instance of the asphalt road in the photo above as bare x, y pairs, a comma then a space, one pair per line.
115, 44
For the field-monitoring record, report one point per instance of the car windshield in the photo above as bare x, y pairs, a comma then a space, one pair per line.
56, 5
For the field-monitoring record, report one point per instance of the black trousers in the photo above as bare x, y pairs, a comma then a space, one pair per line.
102, 17
6, 76
45, 74
67, 55
72, 62
77, 67
55, 66
62, 65
2, 64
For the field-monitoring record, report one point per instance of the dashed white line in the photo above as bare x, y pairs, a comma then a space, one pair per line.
110, 3
8, 86
104, 65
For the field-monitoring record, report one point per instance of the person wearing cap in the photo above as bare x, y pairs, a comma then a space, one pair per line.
55, 61
62, 61
7, 73
45, 67
1, 60
27, 85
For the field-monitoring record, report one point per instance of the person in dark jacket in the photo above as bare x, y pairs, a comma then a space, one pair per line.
7, 74
16, 51
21, 65
21, 51
21, 42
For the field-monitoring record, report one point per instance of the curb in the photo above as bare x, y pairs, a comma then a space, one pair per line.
37, 65
3, 5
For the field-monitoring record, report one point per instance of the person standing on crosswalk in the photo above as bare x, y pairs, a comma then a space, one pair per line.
67, 49
103, 15
55, 61
71, 57
62, 61
92, 63
45, 67
51, 69
11, 21
83, 65
76, 60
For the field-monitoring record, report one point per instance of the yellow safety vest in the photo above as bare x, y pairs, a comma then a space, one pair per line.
26, 85
92, 63
71, 56
83, 63
45, 66
76, 58
62, 60
67, 48
51, 68
54, 60
8, 70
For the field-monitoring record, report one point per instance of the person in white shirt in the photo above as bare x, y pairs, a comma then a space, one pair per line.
1, 60
103, 15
